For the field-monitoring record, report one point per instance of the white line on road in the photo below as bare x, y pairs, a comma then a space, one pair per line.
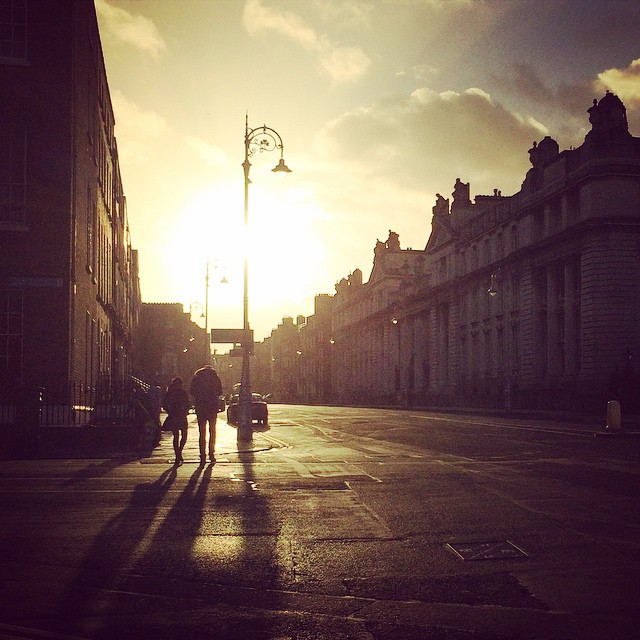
563, 431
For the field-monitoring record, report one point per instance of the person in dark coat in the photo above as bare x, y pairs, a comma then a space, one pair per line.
176, 403
206, 390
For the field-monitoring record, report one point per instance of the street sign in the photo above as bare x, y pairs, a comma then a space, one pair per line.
230, 336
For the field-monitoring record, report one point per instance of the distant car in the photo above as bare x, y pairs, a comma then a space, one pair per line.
222, 405
259, 409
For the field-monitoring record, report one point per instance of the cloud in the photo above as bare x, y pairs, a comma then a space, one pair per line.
344, 64
379, 166
419, 72
137, 130
131, 29
427, 139
563, 107
624, 82
346, 13
212, 154
572, 99
340, 63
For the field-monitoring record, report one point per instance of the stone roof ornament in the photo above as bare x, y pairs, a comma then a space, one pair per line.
442, 206
534, 155
543, 152
461, 193
608, 119
393, 241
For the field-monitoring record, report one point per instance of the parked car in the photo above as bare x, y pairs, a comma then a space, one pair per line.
222, 405
259, 409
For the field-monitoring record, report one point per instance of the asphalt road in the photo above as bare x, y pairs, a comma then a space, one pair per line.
336, 523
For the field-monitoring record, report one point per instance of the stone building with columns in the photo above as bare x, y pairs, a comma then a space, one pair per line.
523, 301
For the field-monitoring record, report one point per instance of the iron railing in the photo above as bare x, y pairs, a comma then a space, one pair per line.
71, 403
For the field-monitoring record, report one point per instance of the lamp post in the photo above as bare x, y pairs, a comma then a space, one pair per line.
260, 139
207, 339
222, 280
198, 307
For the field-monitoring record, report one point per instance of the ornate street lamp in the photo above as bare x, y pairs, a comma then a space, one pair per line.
494, 282
196, 308
260, 139
493, 289
205, 315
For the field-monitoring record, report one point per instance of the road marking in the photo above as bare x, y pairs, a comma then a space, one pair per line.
560, 430
489, 550
11, 631
300, 468
374, 478
281, 444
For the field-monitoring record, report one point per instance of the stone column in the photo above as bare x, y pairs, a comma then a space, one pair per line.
553, 327
571, 321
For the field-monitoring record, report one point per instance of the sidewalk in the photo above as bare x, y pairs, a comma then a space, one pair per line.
120, 441
226, 444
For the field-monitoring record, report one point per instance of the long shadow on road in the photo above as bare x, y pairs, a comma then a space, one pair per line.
184, 564
112, 552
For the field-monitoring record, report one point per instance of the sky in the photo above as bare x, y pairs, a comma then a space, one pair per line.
380, 105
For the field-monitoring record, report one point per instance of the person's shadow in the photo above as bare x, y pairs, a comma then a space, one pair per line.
112, 552
208, 545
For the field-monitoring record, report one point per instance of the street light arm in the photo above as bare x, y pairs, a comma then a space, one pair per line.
262, 139
259, 140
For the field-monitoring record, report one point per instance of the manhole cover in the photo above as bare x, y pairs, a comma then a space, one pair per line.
489, 550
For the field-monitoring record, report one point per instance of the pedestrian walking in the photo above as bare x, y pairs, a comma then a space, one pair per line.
176, 403
206, 390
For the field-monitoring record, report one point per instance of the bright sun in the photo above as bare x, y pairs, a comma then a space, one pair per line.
285, 255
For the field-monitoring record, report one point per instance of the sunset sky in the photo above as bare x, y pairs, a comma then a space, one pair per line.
381, 104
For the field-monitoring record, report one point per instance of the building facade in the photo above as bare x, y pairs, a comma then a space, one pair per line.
525, 301
69, 287
168, 344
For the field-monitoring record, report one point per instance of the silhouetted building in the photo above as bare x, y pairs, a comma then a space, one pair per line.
283, 364
367, 366
69, 290
316, 354
168, 343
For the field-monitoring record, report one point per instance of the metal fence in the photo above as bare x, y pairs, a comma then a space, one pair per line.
70, 403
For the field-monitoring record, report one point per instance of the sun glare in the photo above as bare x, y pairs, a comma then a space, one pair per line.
285, 254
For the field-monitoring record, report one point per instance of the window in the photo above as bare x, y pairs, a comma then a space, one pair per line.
13, 29
515, 290
12, 174
515, 346
443, 268
91, 230
10, 335
486, 251
538, 225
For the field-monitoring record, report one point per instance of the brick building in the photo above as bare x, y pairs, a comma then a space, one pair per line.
69, 289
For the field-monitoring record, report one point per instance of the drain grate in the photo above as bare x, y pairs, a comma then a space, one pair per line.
488, 550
